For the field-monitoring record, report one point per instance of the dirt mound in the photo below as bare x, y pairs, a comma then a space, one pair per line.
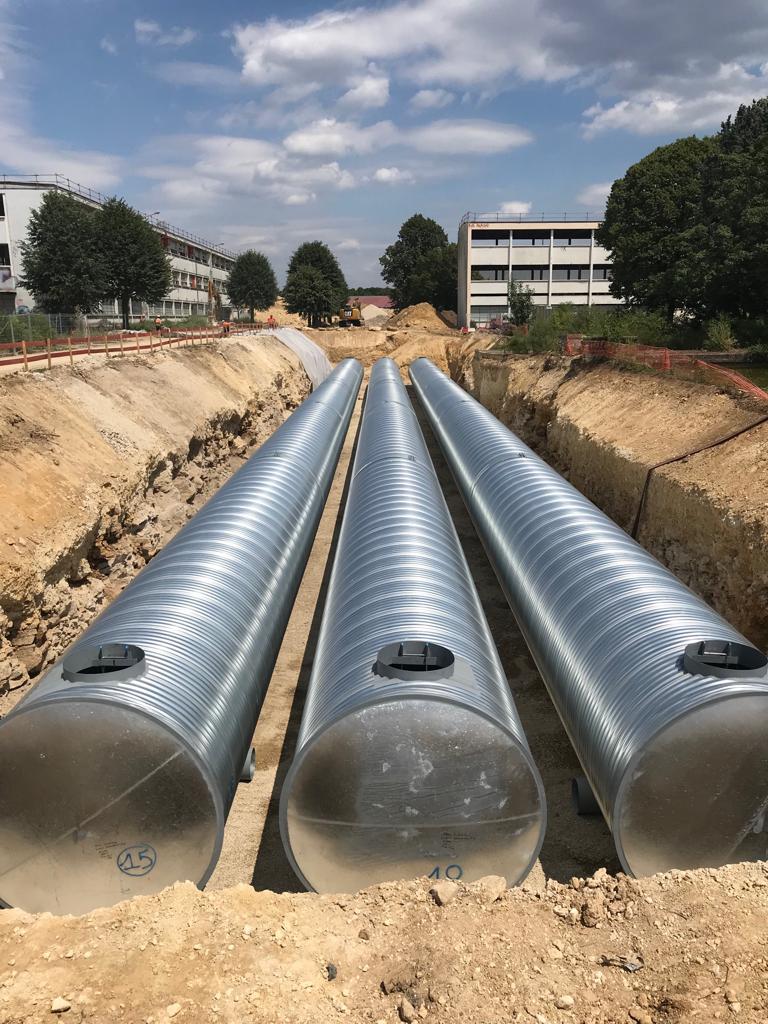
604, 951
422, 316
284, 319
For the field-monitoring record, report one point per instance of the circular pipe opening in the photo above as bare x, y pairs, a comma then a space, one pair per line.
414, 659
102, 662
726, 659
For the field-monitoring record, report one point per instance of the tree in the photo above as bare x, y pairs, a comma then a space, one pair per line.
654, 227
133, 259
735, 190
252, 282
378, 290
60, 263
319, 256
310, 293
421, 265
520, 301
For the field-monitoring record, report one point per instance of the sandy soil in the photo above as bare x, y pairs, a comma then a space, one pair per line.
608, 951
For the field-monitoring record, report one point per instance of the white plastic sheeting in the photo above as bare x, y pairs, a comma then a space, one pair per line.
315, 361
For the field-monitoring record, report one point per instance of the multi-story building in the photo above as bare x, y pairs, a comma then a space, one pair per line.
194, 261
558, 259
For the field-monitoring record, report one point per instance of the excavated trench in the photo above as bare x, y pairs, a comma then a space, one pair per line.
102, 467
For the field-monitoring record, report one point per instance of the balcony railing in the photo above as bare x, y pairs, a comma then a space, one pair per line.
58, 181
527, 218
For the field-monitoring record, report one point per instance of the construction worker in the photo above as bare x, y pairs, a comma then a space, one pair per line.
158, 324
271, 322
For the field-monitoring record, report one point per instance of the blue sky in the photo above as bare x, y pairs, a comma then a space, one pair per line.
263, 125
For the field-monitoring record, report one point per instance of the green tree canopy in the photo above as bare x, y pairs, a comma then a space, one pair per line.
421, 265
310, 293
319, 256
653, 226
252, 283
735, 214
60, 261
134, 262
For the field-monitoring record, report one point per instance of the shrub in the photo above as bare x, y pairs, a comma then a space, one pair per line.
719, 336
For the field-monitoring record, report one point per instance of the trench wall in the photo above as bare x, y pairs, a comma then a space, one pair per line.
603, 427
101, 465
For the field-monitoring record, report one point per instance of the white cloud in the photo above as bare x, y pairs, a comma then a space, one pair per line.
393, 176
469, 137
108, 46
368, 91
515, 207
593, 197
431, 41
205, 76
349, 245
431, 99
152, 33
686, 77
329, 136
218, 167
682, 104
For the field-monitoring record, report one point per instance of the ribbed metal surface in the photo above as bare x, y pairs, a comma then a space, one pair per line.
676, 760
427, 773
99, 765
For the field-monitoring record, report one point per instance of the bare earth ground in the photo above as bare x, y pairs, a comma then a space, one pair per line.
690, 947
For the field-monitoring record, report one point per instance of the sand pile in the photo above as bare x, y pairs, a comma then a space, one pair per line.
422, 317
284, 319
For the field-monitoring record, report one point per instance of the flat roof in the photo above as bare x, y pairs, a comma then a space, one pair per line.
63, 184
488, 219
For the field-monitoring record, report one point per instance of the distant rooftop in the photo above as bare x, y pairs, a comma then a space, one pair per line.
528, 218
62, 184
382, 301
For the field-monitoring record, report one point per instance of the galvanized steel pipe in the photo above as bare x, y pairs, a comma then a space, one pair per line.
411, 759
665, 703
118, 769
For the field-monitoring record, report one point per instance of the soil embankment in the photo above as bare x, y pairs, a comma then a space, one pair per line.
101, 465
706, 517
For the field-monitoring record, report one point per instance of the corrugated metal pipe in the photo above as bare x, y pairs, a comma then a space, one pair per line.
411, 759
118, 769
665, 703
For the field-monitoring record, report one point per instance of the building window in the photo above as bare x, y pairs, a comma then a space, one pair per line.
530, 273
490, 273
602, 272
2, 204
568, 237
564, 272
5, 256
482, 238
521, 239
484, 314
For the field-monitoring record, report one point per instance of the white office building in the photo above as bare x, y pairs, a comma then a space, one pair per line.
558, 259
199, 268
